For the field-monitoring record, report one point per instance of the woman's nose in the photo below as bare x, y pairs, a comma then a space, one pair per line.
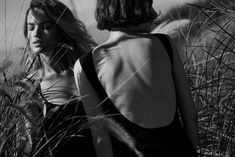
37, 32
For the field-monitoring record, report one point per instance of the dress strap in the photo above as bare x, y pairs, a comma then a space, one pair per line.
88, 67
166, 43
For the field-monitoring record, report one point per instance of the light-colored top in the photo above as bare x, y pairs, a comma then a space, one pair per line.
59, 89
135, 70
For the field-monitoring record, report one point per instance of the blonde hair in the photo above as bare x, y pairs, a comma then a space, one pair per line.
74, 34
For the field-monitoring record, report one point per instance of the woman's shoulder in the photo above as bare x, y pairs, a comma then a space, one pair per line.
100, 48
101, 51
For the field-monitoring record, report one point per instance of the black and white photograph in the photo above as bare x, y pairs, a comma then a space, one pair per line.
117, 78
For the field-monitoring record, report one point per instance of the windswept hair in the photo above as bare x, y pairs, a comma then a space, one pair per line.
73, 32
122, 13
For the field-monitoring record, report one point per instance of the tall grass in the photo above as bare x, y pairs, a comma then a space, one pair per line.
206, 44
21, 135
16, 97
205, 39
210, 64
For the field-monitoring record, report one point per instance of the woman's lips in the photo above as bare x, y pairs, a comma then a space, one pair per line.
37, 43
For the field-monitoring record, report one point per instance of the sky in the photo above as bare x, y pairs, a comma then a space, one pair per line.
12, 14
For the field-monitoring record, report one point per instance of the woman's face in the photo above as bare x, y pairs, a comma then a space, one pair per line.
41, 30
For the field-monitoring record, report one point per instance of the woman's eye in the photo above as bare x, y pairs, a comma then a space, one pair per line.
30, 27
47, 26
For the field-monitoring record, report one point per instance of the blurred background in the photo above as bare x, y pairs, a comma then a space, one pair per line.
12, 14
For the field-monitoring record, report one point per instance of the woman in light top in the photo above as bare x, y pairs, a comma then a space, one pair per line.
56, 39
141, 82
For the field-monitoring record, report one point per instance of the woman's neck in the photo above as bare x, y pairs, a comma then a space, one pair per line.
47, 66
117, 32
50, 64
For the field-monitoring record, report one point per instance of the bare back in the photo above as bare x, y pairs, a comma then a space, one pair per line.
136, 73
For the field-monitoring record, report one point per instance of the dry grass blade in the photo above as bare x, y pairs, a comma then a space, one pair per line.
106, 123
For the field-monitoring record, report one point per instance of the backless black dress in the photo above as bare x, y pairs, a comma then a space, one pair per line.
168, 141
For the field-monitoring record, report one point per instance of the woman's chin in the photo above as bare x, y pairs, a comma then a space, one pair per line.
36, 50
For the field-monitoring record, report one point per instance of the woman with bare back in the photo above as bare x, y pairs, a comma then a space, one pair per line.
138, 80
55, 40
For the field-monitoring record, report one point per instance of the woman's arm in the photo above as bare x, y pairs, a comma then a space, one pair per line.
92, 108
184, 98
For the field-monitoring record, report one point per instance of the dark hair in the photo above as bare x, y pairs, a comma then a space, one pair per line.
73, 31
122, 13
